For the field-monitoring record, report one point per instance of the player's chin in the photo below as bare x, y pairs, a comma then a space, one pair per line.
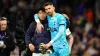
49, 13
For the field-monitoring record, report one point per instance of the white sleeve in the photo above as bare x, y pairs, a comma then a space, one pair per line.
68, 32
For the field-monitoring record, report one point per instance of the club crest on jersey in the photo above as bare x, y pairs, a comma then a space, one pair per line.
48, 29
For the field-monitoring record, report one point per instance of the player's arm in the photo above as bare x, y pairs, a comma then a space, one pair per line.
67, 19
28, 36
62, 22
36, 18
39, 25
59, 34
66, 16
70, 41
69, 38
68, 32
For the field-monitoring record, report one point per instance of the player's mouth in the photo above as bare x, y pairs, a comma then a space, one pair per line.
49, 13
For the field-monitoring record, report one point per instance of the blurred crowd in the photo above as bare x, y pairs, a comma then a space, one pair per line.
84, 21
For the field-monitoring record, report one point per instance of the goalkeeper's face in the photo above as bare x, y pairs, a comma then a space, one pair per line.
49, 9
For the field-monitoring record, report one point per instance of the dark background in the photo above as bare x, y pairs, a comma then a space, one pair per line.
84, 17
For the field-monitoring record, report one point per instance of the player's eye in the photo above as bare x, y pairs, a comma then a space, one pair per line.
48, 8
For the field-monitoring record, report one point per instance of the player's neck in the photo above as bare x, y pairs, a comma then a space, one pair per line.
53, 14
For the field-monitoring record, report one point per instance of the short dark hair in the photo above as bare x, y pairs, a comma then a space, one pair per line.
3, 18
42, 9
48, 3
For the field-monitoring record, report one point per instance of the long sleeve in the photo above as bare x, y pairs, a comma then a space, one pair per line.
62, 27
29, 34
59, 34
36, 18
9, 41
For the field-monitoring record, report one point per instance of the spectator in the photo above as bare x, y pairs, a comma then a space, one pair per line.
6, 39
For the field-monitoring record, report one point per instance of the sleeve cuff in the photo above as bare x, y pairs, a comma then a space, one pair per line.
51, 41
68, 32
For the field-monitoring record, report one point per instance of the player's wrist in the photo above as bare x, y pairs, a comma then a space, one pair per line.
38, 22
70, 46
51, 41
30, 44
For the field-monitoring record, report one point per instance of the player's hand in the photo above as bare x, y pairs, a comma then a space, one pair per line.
46, 46
31, 47
4, 46
39, 27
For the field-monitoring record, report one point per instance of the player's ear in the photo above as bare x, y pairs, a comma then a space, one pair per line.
53, 7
